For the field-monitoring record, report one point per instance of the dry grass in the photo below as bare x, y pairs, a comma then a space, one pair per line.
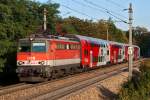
147, 62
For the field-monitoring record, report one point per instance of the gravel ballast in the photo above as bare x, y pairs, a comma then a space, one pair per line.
103, 90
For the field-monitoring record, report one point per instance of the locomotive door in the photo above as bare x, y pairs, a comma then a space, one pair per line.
52, 54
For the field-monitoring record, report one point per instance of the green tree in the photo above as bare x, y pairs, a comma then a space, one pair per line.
19, 18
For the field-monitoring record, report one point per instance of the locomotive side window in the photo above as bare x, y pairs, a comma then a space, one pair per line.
39, 47
74, 46
61, 46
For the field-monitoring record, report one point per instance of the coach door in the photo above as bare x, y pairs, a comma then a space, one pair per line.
107, 53
86, 52
115, 56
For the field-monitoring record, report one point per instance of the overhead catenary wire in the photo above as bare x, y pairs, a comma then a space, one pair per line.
78, 11
116, 4
106, 10
89, 2
82, 4
101, 7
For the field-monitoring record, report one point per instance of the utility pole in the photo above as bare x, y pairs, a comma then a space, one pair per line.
107, 32
130, 49
44, 19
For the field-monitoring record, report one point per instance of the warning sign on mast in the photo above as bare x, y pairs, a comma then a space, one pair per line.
130, 50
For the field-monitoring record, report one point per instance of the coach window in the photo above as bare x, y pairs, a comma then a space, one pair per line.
107, 52
120, 51
99, 59
101, 51
85, 52
123, 52
104, 45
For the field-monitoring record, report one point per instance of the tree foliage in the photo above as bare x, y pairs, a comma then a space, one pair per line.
91, 28
141, 37
19, 18
139, 87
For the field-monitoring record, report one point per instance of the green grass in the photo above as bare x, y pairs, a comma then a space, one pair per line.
139, 87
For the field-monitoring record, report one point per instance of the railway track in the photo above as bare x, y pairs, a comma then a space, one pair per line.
57, 88
54, 95
12, 88
63, 91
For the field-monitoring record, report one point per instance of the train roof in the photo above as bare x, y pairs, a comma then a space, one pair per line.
50, 37
92, 40
72, 37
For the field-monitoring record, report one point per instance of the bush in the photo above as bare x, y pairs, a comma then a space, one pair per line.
139, 87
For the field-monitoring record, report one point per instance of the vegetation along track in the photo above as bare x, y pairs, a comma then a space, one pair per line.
55, 87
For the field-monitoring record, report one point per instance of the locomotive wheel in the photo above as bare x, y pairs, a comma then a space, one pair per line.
80, 69
62, 72
72, 70
54, 74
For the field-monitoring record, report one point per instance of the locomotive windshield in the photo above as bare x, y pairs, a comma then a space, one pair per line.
24, 46
32, 46
39, 47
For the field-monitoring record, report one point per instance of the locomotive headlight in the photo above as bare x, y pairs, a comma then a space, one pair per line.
19, 70
20, 62
41, 62
39, 70
31, 38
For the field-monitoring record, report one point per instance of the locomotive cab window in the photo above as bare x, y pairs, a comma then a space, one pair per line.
24, 46
39, 47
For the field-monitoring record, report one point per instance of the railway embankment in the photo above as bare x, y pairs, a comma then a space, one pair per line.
139, 87
106, 89
111, 88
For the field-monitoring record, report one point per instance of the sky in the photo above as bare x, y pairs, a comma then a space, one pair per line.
97, 9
